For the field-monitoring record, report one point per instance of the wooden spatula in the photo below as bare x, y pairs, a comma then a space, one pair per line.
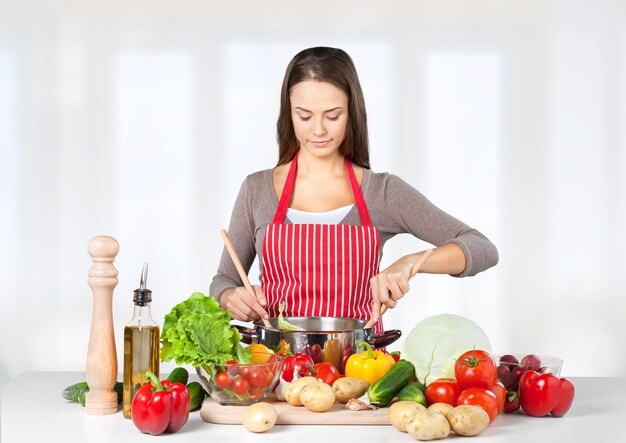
240, 270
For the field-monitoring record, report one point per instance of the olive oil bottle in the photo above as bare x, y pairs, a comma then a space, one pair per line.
141, 343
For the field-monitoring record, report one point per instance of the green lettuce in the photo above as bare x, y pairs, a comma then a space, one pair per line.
198, 332
436, 342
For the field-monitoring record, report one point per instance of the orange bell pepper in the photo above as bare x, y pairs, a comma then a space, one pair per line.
369, 365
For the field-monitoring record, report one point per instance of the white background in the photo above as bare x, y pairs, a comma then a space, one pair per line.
140, 119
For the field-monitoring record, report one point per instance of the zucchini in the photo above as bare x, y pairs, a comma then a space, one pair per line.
386, 388
78, 391
196, 395
413, 392
179, 375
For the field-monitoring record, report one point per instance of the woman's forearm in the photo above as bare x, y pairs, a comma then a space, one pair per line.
445, 259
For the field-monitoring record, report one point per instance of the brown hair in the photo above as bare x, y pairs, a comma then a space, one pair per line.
333, 66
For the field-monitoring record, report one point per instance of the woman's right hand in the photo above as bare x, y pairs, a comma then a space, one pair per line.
244, 306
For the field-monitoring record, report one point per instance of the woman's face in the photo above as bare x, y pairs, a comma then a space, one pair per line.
319, 111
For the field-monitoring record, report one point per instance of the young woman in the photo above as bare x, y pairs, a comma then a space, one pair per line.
319, 220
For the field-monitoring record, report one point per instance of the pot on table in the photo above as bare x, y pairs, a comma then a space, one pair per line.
327, 339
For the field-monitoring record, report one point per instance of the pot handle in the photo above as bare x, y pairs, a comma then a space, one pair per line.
386, 338
248, 336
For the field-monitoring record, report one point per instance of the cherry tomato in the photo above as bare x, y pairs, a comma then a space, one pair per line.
500, 391
256, 392
326, 372
240, 385
480, 397
475, 369
232, 366
258, 377
443, 390
269, 376
223, 380
245, 371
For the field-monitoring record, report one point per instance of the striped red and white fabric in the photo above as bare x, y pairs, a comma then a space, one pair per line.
320, 269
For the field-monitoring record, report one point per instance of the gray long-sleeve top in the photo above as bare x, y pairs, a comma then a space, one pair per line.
395, 207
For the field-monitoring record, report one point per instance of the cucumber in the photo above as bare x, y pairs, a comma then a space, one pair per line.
196, 395
78, 391
386, 388
413, 392
73, 392
179, 375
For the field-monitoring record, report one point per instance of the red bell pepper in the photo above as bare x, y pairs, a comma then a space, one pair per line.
294, 366
299, 364
160, 406
565, 400
543, 394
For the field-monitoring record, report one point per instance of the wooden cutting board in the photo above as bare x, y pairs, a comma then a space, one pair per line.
213, 412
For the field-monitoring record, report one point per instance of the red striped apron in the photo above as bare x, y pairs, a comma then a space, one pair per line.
320, 269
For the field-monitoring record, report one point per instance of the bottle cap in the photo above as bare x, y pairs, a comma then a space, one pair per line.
143, 295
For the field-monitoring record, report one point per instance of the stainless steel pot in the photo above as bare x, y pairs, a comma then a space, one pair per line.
323, 338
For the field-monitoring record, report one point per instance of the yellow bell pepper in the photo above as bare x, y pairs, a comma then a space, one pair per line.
369, 365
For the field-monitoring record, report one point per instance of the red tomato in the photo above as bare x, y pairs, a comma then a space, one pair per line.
240, 386
256, 392
443, 390
232, 367
475, 369
269, 376
257, 377
500, 391
223, 380
326, 372
245, 371
480, 397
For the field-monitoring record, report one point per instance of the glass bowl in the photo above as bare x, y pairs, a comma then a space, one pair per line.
241, 384
511, 367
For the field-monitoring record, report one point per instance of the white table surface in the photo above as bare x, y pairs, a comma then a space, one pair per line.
32, 410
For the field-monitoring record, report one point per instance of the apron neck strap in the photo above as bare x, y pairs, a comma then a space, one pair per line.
285, 198
358, 196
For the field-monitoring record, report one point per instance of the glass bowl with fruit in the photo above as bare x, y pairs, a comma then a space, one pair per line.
511, 367
235, 383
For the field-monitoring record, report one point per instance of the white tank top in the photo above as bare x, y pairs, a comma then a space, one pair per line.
322, 218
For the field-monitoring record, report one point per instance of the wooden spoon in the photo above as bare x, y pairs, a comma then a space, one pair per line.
240, 270
416, 267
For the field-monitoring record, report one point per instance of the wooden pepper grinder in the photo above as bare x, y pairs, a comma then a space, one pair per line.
101, 371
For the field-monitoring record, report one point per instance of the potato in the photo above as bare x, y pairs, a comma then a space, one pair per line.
400, 413
442, 408
317, 397
349, 387
292, 392
260, 417
468, 420
428, 425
